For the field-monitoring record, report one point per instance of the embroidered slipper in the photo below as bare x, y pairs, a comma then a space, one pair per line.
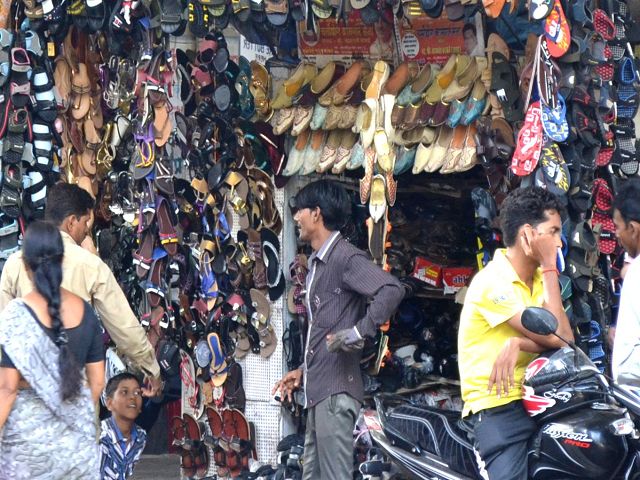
529, 143
377, 200
556, 31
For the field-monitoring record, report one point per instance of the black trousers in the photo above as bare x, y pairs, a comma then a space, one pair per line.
501, 435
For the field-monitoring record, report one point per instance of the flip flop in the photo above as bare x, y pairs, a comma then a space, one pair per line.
602, 208
271, 257
191, 401
554, 121
540, 9
553, 173
529, 144
557, 31
219, 367
493, 7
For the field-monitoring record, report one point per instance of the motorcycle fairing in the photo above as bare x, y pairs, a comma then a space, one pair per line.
581, 445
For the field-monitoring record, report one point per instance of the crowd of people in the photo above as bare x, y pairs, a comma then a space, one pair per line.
52, 354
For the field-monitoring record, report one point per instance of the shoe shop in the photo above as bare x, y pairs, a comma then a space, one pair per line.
194, 124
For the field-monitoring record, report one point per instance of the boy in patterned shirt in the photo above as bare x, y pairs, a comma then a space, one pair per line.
121, 440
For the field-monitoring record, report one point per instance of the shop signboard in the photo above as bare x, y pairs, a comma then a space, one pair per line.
433, 40
346, 41
253, 51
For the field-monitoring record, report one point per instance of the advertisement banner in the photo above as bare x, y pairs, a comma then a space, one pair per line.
345, 42
434, 40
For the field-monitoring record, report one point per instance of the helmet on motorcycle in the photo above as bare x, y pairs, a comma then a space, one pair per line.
558, 382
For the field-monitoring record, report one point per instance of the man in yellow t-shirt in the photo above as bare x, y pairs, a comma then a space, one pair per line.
494, 348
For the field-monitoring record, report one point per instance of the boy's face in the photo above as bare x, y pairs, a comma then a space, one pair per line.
126, 401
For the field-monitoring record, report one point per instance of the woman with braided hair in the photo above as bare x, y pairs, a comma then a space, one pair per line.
51, 372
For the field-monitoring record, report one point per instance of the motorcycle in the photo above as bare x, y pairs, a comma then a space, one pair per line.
587, 426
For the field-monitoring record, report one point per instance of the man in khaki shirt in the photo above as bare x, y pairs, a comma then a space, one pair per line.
86, 275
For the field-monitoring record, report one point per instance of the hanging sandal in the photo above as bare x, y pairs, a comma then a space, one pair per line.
166, 226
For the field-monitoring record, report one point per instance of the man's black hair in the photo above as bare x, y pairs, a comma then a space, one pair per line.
627, 201
332, 199
115, 381
64, 199
525, 206
469, 26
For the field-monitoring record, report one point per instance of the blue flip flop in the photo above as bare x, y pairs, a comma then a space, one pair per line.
554, 120
218, 366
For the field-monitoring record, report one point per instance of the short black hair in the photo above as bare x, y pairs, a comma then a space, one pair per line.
64, 199
627, 201
332, 199
525, 206
469, 26
115, 381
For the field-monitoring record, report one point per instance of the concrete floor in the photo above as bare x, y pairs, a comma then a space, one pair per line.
158, 467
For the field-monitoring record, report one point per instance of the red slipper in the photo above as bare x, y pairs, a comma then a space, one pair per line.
187, 463
192, 427
529, 144
178, 431
604, 156
215, 422
602, 208
556, 31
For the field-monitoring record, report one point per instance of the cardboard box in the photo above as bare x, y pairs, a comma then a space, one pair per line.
428, 272
454, 278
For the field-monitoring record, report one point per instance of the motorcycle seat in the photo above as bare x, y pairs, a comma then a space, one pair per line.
439, 432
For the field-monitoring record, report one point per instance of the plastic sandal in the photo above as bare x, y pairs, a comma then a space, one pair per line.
20, 86
219, 367
529, 144
540, 9
557, 31
553, 173
554, 121
504, 84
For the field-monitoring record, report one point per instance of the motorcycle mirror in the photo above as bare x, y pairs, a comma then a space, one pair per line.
539, 321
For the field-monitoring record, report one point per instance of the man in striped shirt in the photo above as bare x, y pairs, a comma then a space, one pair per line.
347, 298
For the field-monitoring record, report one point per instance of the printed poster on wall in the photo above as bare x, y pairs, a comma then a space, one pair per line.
344, 42
434, 40
253, 51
